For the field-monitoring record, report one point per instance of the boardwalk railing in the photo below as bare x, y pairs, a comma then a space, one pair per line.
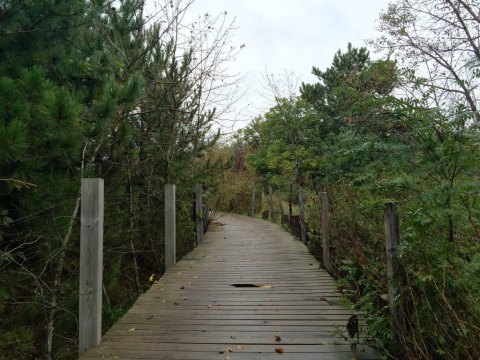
91, 252
299, 228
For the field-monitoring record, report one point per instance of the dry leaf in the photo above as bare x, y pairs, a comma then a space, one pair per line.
228, 350
195, 277
227, 357
189, 283
265, 286
179, 273
279, 350
278, 338
323, 342
164, 301
132, 329
239, 347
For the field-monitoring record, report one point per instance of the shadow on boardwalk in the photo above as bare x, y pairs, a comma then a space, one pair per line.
283, 302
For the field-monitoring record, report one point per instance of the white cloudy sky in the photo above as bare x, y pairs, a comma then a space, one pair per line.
289, 35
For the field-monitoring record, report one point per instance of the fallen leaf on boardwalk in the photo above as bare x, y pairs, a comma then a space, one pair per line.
182, 287
164, 301
278, 338
227, 357
266, 286
228, 350
151, 277
323, 343
189, 283
279, 350
179, 273
176, 303
195, 277
132, 329
239, 347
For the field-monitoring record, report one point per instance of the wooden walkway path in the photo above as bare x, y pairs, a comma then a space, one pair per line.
193, 312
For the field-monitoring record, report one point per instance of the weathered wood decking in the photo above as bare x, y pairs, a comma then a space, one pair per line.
193, 312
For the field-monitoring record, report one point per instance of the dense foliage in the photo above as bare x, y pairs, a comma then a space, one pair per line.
372, 131
92, 89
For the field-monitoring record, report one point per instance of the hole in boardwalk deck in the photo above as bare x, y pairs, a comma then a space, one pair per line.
245, 285
262, 286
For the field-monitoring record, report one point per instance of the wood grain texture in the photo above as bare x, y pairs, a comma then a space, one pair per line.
194, 312
91, 263
170, 227
199, 213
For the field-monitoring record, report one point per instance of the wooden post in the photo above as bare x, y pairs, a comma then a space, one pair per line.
262, 201
91, 264
199, 216
206, 217
303, 225
270, 202
392, 237
290, 200
170, 227
254, 205
280, 205
325, 235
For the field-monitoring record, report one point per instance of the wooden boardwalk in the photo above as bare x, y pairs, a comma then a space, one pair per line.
193, 312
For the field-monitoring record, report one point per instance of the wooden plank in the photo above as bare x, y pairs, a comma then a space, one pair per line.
91, 264
170, 227
194, 312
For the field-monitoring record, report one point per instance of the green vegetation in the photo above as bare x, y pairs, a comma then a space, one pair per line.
98, 89
93, 89
374, 131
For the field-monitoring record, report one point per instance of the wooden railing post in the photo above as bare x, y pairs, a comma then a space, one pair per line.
170, 227
254, 205
206, 215
91, 264
280, 207
303, 225
200, 215
270, 201
392, 237
261, 202
325, 235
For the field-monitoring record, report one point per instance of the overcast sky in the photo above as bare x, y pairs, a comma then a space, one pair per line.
289, 35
